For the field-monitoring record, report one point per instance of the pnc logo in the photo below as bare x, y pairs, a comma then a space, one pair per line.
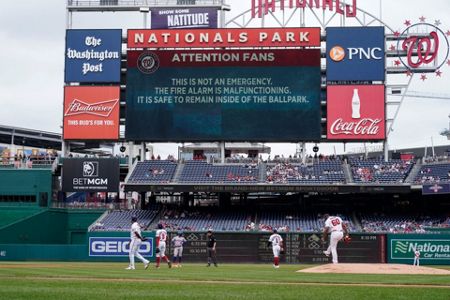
337, 53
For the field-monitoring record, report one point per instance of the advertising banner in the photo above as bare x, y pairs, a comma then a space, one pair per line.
436, 189
117, 246
434, 248
93, 55
355, 54
355, 112
90, 175
231, 95
179, 18
230, 37
91, 112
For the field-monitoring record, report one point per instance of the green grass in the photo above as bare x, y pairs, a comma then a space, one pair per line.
107, 281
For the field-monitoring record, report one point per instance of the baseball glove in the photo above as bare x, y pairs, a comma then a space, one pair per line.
157, 250
347, 239
282, 251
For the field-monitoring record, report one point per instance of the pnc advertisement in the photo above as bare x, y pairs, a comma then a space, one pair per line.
91, 112
181, 18
231, 95
355, 54
93, 55
234, 37
355, 112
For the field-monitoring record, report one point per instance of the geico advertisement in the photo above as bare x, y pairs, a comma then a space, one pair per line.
117, 246
355, 54
90, 175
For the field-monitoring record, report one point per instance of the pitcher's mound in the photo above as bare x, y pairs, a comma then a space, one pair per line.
375, 269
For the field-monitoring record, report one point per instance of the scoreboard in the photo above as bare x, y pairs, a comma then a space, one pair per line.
299, 248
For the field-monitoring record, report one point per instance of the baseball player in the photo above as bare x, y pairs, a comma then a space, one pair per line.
337, 229
161, 236
416, 257
177, 243
136, 240
277, 246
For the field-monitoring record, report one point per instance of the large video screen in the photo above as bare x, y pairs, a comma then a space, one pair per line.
223, 95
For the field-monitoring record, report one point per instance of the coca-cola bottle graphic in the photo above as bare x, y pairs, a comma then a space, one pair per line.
356, 105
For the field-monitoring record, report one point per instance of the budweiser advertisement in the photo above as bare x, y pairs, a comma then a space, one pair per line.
91, 112
355, 112
234, 37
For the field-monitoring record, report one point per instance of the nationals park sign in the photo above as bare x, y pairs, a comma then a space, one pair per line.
237, 37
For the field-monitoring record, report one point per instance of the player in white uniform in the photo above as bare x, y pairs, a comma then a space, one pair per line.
177, 243
277, 246
161, 237
337, 229
136, 240
416, 258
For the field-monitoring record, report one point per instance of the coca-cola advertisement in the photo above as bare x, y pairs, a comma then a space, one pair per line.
91, 112
356, 112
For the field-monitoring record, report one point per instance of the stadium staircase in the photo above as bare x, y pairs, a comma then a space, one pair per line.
413, 173
178, 172
262, 172
347, 172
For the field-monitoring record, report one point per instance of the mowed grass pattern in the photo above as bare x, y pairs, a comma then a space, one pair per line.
194, 281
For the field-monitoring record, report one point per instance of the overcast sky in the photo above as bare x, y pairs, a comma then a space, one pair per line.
32, 66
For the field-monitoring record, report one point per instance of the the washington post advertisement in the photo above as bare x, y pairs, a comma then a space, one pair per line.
215, 95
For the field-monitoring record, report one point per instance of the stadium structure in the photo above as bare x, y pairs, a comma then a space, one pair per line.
224, 88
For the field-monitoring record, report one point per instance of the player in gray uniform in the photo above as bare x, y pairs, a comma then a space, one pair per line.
177, 243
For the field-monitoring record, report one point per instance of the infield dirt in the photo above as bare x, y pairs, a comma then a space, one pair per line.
374, 269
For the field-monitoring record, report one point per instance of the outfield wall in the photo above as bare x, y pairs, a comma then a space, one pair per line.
245, 247
48, 226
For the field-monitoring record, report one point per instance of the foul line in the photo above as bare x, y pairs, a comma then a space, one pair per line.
150, 280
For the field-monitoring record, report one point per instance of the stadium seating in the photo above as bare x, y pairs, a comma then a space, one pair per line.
379, 171
197, 171
202, 221
297, 222
433, 173
397, 224
121, 220
153, 171
322, 172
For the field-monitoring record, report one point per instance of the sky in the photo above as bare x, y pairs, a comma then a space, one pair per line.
32, 67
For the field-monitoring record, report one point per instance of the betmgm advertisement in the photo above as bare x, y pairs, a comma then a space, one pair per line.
90, 175
217, 95
434, 248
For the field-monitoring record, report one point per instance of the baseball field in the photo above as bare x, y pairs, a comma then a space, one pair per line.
43, 280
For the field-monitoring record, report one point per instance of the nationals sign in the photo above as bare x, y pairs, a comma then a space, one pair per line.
240, 37
91, 112
355, 112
